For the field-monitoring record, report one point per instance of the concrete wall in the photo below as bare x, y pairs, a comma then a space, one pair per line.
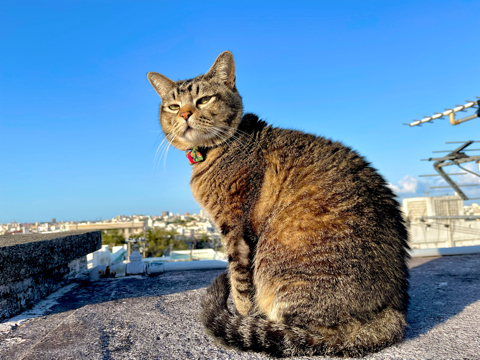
33, 266
450, 233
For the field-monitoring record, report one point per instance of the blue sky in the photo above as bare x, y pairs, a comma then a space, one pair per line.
79, 120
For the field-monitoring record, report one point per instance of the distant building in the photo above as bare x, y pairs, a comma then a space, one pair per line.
440, 222
160, 224
473, 209
419, 207
126, 228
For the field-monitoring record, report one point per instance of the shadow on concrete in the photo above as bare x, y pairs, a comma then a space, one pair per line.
107, 289
440, 289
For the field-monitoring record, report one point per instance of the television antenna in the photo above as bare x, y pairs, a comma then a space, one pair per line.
451, 114
454, 157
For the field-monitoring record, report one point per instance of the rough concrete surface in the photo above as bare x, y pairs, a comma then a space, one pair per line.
157, 318
32, 266
22, 256
19, 295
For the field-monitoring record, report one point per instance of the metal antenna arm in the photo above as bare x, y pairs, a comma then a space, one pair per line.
448, 180
471, 172
455, 157
461, 147
451, 114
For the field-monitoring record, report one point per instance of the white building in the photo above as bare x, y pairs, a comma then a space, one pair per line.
437, 222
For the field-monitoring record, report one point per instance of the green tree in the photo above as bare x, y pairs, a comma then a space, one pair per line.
112, 238
179, 222
158, 240
204, 242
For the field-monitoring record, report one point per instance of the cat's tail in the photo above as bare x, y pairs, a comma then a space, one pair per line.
262, 335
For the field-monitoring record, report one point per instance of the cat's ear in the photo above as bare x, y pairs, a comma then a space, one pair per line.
160, 83
223, 69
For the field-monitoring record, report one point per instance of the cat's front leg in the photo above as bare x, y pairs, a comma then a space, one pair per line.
239, 264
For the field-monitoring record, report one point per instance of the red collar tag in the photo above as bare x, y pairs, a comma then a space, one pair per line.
194, 155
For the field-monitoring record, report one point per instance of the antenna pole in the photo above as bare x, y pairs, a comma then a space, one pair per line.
454, 157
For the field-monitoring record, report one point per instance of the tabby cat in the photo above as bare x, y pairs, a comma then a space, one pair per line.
316, 244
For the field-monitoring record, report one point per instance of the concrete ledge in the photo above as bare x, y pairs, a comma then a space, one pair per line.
457, 250
33, 266
157, 317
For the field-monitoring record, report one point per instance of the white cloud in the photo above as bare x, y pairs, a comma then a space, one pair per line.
408, 184
411, 185
471, 192
469, 178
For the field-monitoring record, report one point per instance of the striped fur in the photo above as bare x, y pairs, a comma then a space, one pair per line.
315, 239
256, 333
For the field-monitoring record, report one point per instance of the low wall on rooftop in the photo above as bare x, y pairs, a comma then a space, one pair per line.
32, 266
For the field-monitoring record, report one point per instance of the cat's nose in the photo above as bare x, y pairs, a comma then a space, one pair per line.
186, 114
186, 111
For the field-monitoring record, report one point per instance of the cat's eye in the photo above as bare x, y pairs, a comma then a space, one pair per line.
174, 107
204, 100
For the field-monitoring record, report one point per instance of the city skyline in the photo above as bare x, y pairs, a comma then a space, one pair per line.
79, 120
122, 217
186, 227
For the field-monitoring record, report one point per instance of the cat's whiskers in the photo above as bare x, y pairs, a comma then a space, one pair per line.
158, 138
252, 139
157, 152
243, 148
226, 132
241, 132
246, 141
162, 150
222, 137
209, 134
166, 153
232, 138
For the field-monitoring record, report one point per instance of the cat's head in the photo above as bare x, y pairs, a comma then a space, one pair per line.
203, 111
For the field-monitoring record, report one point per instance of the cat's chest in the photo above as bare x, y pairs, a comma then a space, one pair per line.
224, 187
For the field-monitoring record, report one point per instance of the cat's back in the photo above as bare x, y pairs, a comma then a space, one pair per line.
325, 217
318, 176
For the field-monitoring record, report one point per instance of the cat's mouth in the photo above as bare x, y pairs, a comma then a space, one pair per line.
190, 133
197, 135
193, 135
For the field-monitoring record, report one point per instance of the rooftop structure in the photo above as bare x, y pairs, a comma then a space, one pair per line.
440, 222
156, 317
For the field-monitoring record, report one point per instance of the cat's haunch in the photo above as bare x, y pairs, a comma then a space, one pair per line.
316, 242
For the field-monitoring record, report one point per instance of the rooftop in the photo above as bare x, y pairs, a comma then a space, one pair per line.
145, 317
